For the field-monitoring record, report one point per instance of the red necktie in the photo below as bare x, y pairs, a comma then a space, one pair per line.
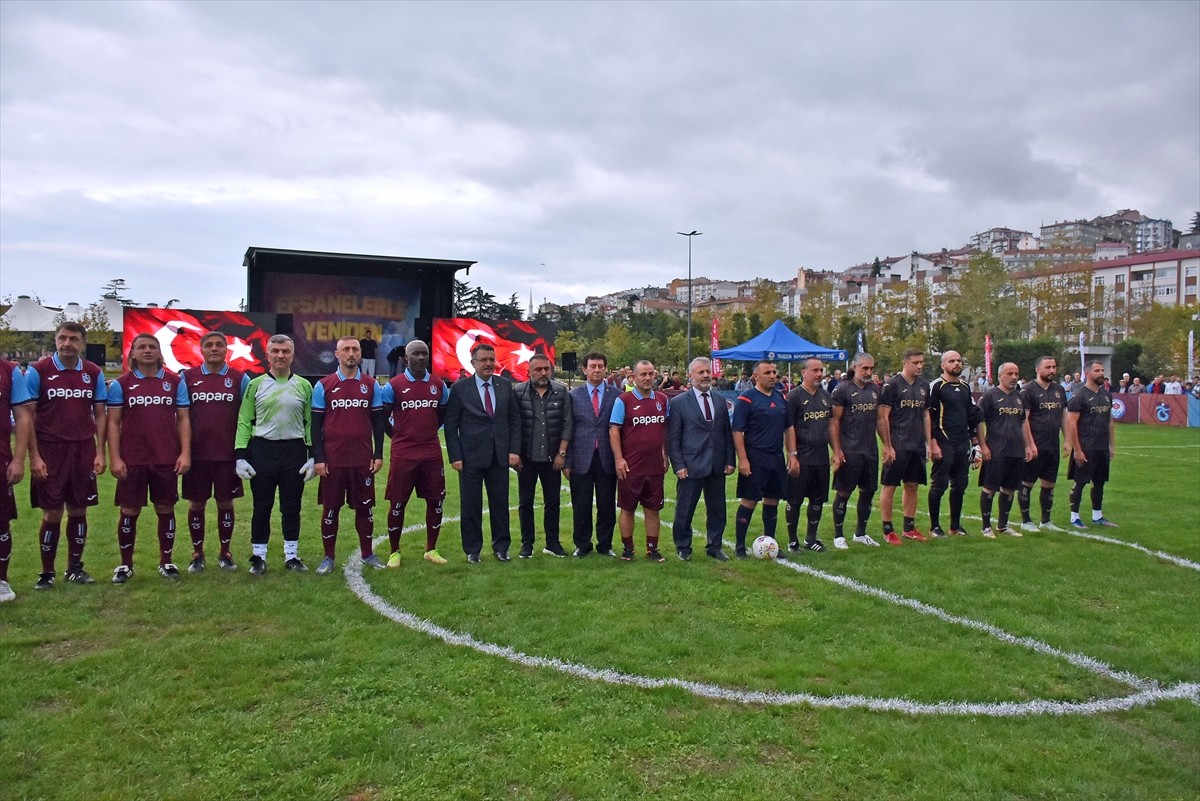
707, 407
596, 400
487, 400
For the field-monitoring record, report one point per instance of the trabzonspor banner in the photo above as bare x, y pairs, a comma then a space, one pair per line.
515, 342
178, 332
325, 308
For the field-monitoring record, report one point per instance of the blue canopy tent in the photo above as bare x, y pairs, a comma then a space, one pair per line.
779, 343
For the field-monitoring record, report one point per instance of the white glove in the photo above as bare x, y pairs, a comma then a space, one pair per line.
244, 470
308, 470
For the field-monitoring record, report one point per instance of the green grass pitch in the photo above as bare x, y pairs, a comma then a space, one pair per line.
223, 686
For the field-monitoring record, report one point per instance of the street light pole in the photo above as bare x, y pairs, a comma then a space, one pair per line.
689, 316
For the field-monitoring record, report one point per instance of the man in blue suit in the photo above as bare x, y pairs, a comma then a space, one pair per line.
700, 444
590, 466
482, 415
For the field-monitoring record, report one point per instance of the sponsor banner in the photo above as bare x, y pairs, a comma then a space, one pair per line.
1126, 409
515, 342
178, 332
1164, 410
325, 308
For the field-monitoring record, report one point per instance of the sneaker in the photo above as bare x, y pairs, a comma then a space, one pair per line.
526, 551
814, 545
581, 553
893, 539
373, 562
684, 554
740, 553
77, 575
1012, 532
1051, 527
1104, 522
915, 535
6, 593
555, 550
840, 544
654, 556
296, 565
609, 553
865, 539
627, 555
258, 565
1079, 524
122, 574
1029, 526
794, 546
225, 562
989, 533
957, 532
430, 556
169, 571
45, 582
394, 560
197, 565
326, 566
937, 532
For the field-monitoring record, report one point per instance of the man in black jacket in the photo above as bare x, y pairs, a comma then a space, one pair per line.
546, 427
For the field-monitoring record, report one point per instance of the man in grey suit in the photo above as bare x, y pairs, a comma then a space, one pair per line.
590, 466
483, 415
700, 444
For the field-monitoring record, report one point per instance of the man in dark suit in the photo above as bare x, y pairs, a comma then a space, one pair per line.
700, 444
483, 440
590, 466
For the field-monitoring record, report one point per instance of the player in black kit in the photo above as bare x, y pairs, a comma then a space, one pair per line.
1046, 401
852, 430
809, 412
1091, 432
954, 423
1006, 445
904, 429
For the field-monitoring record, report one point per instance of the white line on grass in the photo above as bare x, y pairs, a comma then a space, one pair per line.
1148, 691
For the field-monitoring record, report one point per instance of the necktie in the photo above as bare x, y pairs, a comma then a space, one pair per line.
707, 407
596, 400
487, 400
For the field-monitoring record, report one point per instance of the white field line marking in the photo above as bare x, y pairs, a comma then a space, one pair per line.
1156, 447
1177, 560
1148, 692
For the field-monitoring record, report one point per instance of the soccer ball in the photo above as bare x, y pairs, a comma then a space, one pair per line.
765, 547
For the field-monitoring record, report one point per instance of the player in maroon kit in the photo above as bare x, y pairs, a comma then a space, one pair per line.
215, 390
638, 433
347, 442
66, 452
414, 403
14, 407
149, 445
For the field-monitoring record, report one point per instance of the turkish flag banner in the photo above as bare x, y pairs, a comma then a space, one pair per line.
515, 341
178, 332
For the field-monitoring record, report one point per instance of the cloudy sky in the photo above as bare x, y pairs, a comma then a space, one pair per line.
563, 145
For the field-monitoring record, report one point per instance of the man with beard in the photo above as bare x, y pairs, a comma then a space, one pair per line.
700, 444
546, 428
760, 435
1046, 401
637, 432
150, 446
414, 403
1006, 445
904, 427
852, 432
347, 446
1092, 435
215, 390
809, 411
954, 420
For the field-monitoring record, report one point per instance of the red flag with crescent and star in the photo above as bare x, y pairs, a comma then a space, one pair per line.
178, 332
515, 341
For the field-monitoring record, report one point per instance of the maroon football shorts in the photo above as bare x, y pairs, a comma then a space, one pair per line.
427, 477
8, 502
352, 486
158, 480
212, 480
69, 477
646, 491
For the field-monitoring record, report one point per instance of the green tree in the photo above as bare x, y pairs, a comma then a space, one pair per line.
1163, 332
987, 304
116, 289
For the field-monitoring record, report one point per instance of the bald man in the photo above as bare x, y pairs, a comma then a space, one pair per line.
1007, 445
954, 424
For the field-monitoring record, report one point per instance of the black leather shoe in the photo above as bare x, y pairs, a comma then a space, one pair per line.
526, 552
720, 556
740, 553
502, 556
473, 558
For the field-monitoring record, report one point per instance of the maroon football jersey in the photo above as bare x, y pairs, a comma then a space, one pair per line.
10, 395
417, 412
149, 429
644, 433
347, 404
215, 399
64, 399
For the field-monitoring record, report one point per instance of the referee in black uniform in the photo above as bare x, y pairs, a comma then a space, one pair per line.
954, 420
